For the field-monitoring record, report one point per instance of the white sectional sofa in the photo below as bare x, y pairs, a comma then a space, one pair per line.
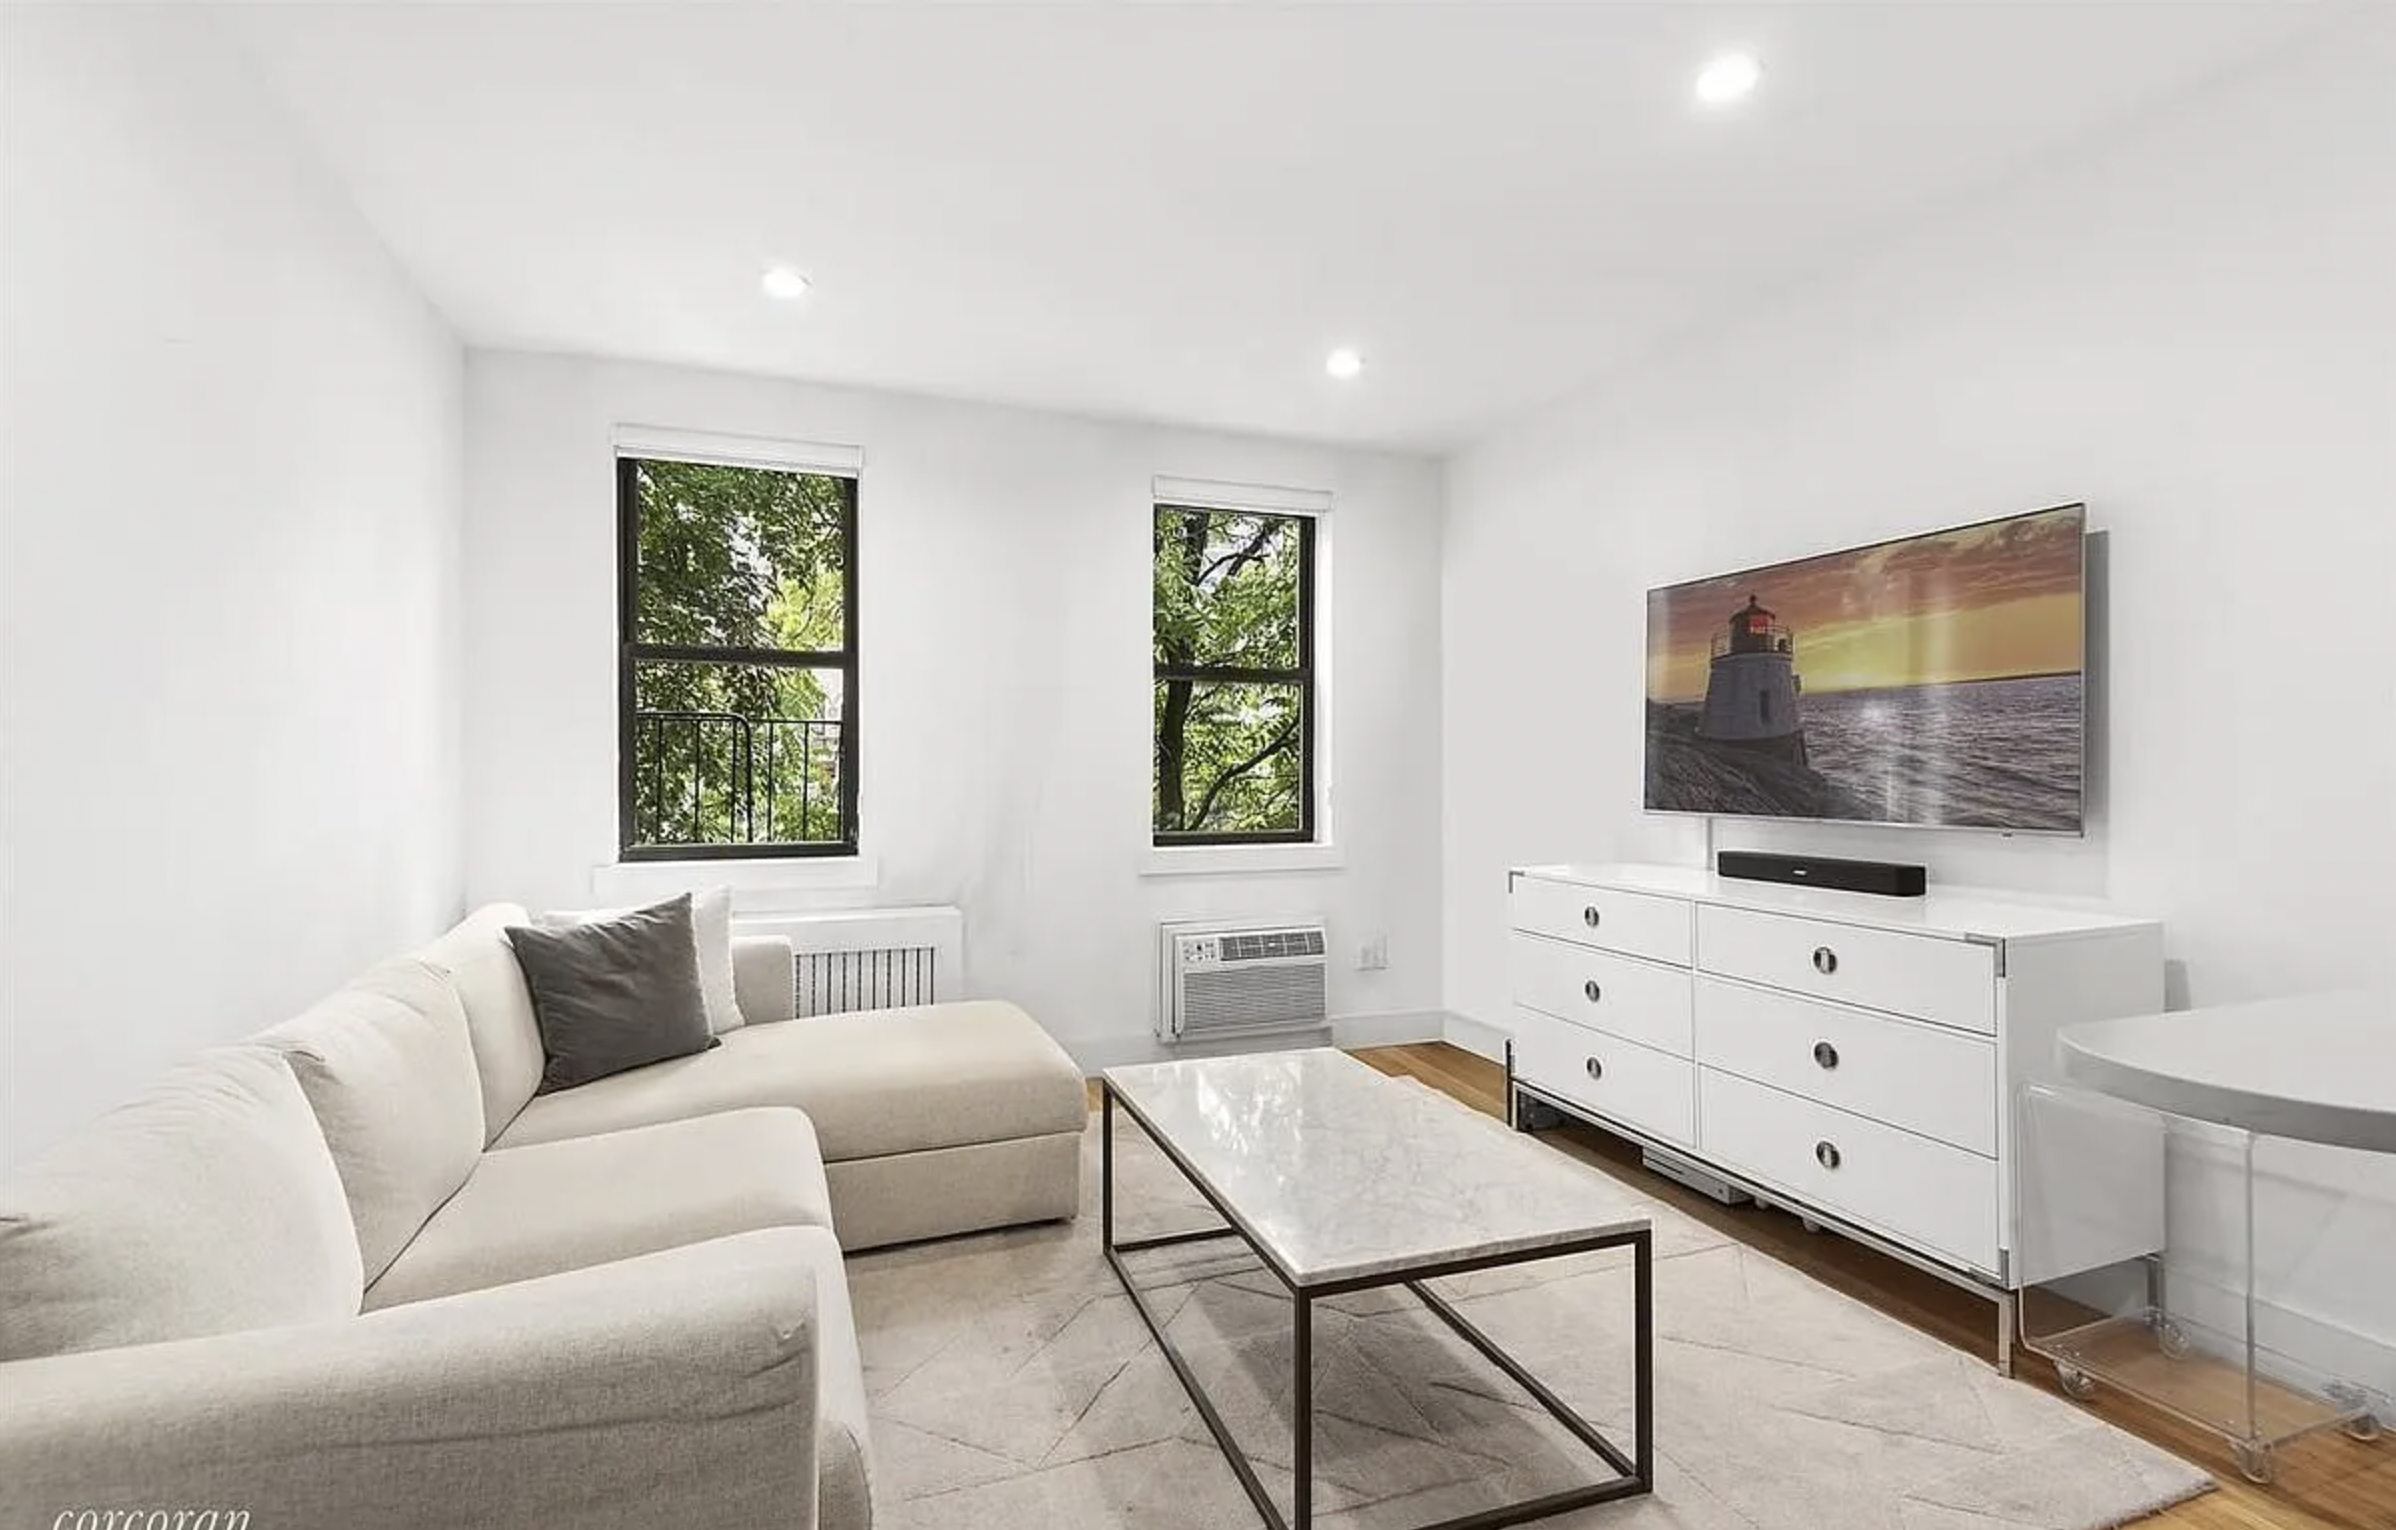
354, 1272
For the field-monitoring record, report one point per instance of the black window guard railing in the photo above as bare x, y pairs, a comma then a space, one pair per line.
718, 778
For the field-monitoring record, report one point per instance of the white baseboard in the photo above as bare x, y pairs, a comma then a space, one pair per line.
1095, 1054
1392, 1028
1395, 1028
1475, 1037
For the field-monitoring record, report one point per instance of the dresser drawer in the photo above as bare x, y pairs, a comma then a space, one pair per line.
1937, 1082
1950, 981
1636, 1000
1926, 1194
1632, 923
1620, 1080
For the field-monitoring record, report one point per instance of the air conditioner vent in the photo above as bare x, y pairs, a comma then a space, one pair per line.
1271, 943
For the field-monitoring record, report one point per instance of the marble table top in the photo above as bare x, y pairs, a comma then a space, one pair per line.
2320, 1068
1339, 1173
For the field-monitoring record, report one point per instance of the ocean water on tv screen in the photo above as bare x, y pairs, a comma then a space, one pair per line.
1989, 753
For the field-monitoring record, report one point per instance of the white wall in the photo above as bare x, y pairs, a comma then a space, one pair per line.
1004, 580
2193, 328
229, 509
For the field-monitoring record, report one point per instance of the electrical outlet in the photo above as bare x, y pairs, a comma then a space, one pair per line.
1373, 955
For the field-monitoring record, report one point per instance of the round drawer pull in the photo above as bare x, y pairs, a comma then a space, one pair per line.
1826, 1054
1826, 961
1589, 916
1826, 1154
1592, 991
1596, 1068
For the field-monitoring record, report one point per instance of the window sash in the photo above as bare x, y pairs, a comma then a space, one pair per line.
1304, 832
1301, 675
630, 654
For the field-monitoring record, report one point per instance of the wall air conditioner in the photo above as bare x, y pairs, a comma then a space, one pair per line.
1234, 979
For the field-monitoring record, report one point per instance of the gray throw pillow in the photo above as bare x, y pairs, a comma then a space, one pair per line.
711, 922
614, 994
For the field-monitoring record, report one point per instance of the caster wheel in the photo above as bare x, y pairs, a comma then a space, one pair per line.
2075, 1382
2172, 1340
2365, 1429
1809, 1224
2254, 1461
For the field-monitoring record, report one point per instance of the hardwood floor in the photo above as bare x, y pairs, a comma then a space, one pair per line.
2326, 1483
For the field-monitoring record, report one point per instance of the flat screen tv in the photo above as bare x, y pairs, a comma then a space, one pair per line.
1934, 681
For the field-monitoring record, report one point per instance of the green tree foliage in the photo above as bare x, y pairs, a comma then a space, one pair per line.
734, 559
1227, 596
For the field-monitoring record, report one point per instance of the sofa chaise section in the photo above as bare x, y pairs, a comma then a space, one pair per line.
934, 1119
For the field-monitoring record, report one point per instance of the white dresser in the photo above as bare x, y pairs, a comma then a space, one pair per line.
1849, 1057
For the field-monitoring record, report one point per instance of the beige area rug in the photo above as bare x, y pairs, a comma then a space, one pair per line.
1014, 1388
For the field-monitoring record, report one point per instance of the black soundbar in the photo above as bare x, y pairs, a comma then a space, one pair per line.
1889, 879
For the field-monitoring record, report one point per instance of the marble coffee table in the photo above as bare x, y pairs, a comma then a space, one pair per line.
1340, 1179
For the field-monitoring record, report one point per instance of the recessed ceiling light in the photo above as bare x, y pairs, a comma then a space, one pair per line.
786, 283
1728, 78
1343, 364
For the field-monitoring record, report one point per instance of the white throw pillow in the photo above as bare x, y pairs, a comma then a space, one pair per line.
208, 1205
388, 1065
711, 926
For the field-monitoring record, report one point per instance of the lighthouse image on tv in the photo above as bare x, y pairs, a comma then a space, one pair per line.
1752, 686
1942, 683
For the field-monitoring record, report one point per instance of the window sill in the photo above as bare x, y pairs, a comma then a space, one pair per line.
648, 881
1238, 860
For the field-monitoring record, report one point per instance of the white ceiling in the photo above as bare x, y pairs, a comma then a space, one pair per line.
1173, 212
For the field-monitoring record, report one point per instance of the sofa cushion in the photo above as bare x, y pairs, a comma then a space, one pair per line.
387, 1064
507, 1040
711, 932
207, 1205
557, 1206
875, 1082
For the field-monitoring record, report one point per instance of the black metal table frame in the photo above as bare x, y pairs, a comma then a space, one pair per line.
1636, 1469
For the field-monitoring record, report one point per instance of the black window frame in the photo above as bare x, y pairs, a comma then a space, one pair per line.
1303, 676
630, 653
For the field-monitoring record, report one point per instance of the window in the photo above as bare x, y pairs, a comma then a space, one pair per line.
737, 681
1235, 677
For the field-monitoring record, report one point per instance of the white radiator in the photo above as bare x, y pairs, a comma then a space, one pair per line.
1223, 978
869, 958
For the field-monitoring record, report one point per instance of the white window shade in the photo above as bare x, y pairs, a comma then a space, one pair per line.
671, 445
1211, 494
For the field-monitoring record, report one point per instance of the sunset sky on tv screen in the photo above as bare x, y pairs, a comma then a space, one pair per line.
1985, 602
